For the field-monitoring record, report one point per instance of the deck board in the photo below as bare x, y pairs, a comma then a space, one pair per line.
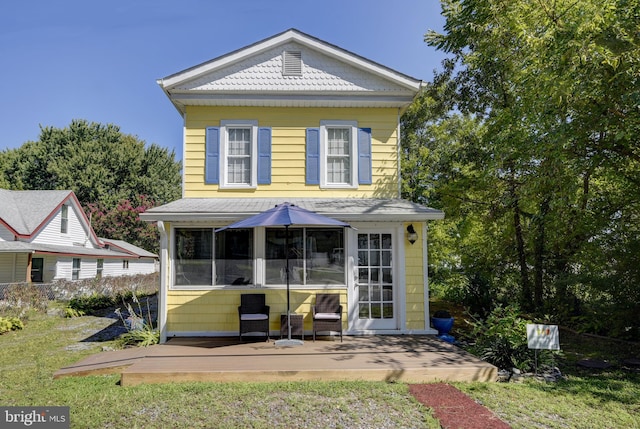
412, 359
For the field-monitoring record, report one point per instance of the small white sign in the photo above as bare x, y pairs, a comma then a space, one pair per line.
543, 337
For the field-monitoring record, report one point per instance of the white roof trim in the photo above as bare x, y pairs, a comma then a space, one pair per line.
195, 72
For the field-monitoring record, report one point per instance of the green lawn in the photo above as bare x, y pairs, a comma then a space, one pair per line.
29, 358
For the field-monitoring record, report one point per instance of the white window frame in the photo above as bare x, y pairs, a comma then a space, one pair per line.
324, 138
225, 125
64, 219
76, 271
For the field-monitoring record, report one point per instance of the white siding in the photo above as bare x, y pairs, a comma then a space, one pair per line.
50, 266
76, 233
113, 267
13, 267
5, 235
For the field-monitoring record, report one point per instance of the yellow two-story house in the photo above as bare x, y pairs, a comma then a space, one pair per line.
292, 119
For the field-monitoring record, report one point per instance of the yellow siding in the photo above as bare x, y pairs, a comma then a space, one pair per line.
217, 311
414, 281
288, 149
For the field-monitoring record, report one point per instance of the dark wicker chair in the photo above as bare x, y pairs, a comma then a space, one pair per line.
327, 314
253, 314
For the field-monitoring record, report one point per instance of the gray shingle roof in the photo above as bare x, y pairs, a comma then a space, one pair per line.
130, 248
346, 209
24, 211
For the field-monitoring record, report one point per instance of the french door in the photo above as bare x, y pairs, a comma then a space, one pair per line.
374, 289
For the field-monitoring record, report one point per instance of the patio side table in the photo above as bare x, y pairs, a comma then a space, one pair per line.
296, 326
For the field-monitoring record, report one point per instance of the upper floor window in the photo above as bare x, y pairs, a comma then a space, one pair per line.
238, 154
64, 219
338, 155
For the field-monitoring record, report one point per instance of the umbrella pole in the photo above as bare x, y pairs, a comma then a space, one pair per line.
288, 342
286, 256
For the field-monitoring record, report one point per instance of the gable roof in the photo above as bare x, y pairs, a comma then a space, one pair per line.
253, 76
25, 212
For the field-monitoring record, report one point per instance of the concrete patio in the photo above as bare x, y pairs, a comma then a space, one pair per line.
410, 359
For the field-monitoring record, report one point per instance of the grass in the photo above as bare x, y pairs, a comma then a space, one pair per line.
29, 357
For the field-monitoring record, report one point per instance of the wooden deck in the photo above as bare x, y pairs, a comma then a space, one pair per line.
411, 359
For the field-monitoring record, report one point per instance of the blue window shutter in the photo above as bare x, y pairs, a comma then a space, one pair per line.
264, 156
212, 156
313, 156
364, 156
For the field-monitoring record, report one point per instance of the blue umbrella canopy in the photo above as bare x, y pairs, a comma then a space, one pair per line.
285, 214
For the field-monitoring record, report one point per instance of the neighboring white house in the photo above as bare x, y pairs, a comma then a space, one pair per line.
45, 236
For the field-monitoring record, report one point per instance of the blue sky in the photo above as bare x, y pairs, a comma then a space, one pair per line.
99, 60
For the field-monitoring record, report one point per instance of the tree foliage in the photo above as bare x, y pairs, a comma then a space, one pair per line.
531, 148
107, 170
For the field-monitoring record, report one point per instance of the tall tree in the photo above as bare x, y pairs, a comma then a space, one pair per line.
103, 166
556, 87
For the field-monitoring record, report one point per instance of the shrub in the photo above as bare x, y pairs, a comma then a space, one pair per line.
10, 324
89, 304
501, 339
140, 329
20, 298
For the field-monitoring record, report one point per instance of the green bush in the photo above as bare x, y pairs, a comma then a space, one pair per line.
10, 324
501, 339
90, 303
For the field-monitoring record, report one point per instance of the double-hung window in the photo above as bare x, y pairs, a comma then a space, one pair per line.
64, 219
339, 156
338, 146
238, 150
75, 269
238, 154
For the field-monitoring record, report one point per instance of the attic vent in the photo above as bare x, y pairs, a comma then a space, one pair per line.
292, 63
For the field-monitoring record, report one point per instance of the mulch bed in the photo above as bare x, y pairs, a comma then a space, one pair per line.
454, 409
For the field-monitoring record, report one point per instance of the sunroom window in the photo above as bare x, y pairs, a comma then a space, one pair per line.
234, 257
316, 256
193, 256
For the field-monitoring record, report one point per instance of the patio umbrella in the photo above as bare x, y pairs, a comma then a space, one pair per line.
286, 215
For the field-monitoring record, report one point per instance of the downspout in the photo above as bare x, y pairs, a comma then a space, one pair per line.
184, 149
398, 155
164, 273
425, 273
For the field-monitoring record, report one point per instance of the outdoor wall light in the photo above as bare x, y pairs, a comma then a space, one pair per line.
412, 235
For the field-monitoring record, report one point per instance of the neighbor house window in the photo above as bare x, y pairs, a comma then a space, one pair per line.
193, 256
316, 256
234, 257
75, 269
64, 219
99, 268
125, 264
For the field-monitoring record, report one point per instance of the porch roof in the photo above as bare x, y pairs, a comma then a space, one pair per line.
24, 247
345, 209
